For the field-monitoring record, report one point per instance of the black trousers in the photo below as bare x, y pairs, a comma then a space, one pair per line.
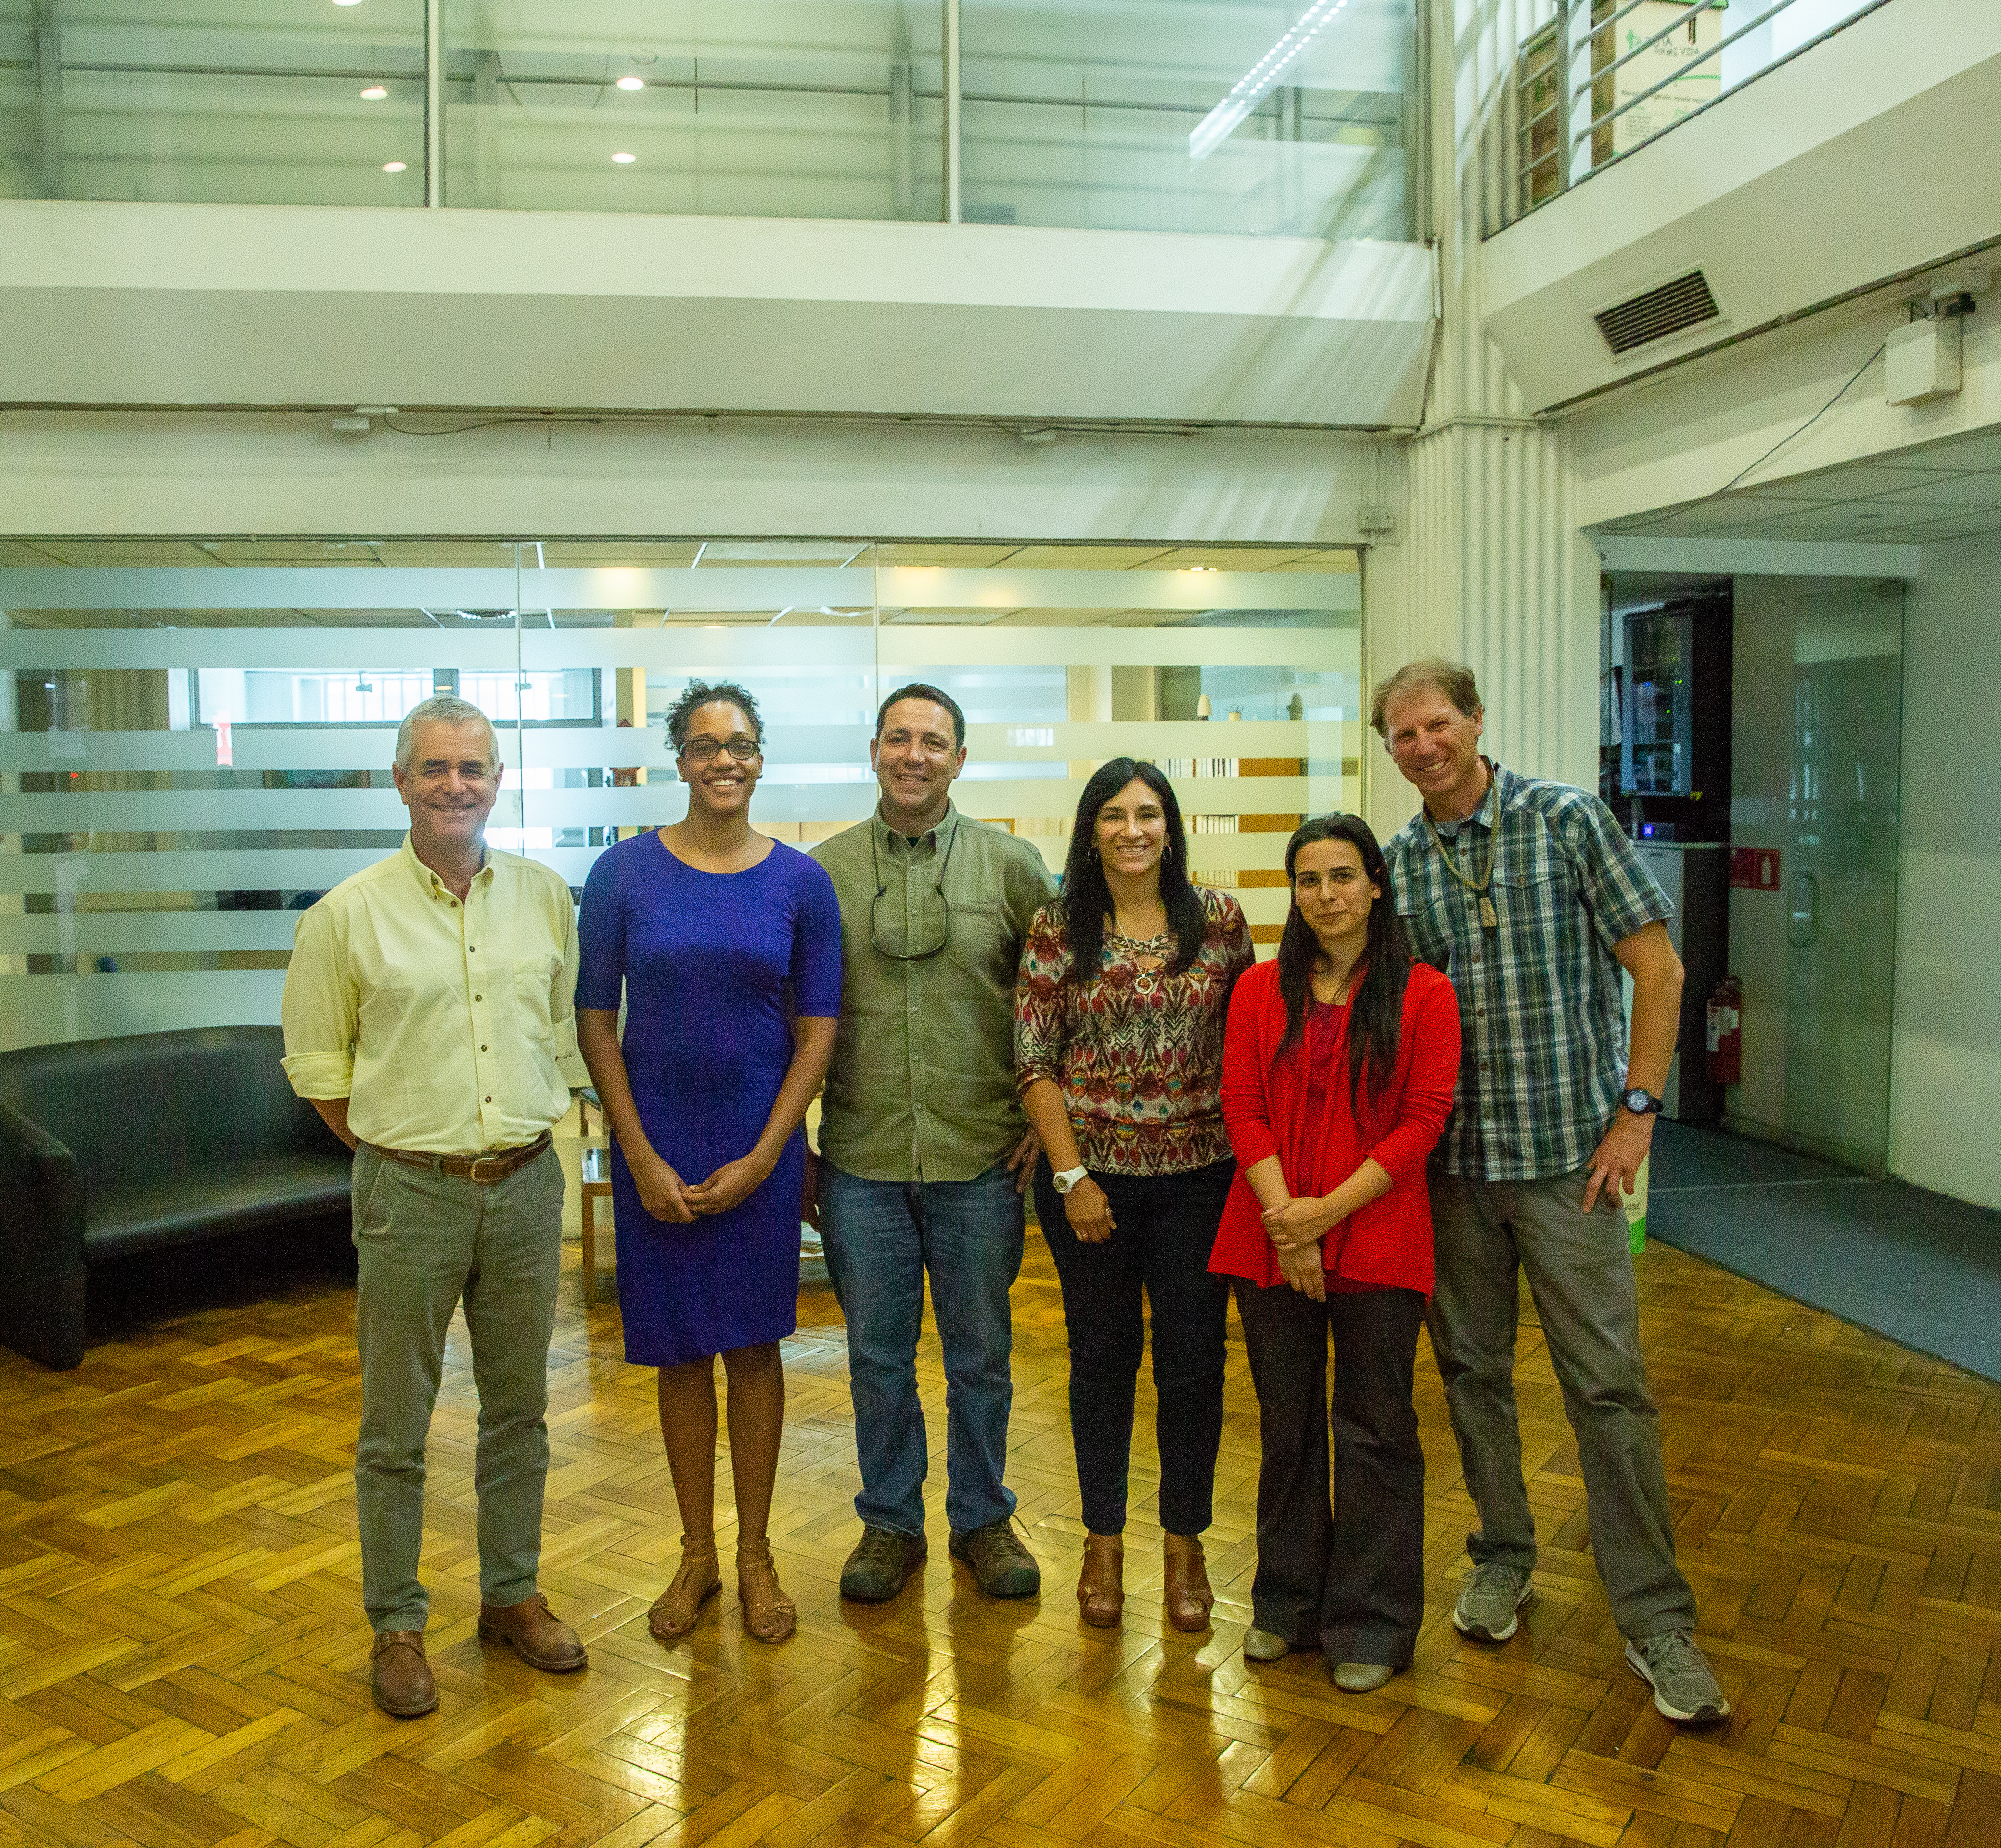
1352, 1579
1165, 1227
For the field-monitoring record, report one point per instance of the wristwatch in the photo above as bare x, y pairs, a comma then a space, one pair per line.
1641, 1101
1068, 1177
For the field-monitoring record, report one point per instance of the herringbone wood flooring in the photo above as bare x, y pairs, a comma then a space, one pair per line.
183, 1657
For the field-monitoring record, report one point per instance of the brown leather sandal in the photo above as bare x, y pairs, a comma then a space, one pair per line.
768, 1614
1185, 1584
675, 1608
1101, 1595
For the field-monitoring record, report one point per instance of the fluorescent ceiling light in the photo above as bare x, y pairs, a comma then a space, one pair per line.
631, 83
1258, 82
624, 160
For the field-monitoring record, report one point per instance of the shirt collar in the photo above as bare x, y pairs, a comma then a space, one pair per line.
432, 884
1495, 798
887, 836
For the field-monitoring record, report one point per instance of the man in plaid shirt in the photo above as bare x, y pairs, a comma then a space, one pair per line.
1529, 896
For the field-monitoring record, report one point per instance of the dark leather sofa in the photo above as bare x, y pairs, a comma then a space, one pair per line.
114, 1146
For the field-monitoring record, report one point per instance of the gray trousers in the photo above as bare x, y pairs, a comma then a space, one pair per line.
1580, 1272
424, 1241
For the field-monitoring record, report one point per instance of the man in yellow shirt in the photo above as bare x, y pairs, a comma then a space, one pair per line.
428, 1017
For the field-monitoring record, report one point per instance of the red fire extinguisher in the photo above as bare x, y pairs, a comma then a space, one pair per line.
1726, 1032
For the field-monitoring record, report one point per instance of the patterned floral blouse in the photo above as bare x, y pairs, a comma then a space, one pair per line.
1138, 1053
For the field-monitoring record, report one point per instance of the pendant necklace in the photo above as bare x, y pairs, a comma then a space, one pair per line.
1489, 919
1144, 981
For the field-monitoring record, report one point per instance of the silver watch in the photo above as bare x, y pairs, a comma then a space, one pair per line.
1067, 1178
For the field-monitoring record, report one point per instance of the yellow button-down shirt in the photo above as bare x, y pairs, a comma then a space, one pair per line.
450, 1028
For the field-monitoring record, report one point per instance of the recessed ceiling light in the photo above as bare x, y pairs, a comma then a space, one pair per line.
624, 160
388, 166
347, 2
375, 92
631, 83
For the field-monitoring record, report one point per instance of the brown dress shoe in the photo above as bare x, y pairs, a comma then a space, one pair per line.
1186, 1586
1101, 1596
403, 1686
534, 1633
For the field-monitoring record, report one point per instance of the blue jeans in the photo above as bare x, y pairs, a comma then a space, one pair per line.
882, 1237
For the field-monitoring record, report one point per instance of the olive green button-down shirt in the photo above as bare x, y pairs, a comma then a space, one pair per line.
922, 1085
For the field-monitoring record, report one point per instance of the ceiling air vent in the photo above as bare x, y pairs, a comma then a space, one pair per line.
1671, 308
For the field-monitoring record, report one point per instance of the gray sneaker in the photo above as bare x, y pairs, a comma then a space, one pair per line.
1004, 1568
1684, 1685
881, 1565
1488, 1601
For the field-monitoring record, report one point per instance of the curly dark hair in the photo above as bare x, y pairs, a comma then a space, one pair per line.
702, 693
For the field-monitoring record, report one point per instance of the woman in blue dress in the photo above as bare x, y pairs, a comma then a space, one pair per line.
727, 944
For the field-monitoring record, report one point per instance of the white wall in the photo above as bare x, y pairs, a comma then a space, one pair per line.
1946, 1059
114, 473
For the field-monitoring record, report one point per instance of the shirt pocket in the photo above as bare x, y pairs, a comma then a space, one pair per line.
1531, 886
974, 939
533, 977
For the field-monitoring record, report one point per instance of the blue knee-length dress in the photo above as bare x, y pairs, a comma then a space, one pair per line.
714, 967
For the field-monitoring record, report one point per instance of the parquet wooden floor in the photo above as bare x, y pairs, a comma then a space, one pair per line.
183, 1656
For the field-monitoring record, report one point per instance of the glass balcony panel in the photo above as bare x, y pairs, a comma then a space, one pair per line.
224, 101
1083, 117
748, 109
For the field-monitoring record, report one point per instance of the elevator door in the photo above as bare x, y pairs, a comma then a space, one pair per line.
1840, 884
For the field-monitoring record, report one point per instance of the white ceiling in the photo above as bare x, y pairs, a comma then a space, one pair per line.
1917, 496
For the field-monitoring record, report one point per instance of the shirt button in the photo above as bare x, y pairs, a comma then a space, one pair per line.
483, 1048
489, 1100
479, 998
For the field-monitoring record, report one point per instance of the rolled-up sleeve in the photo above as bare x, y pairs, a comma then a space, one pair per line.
562, 1008
1041, 1029
1431, 1027
320, 1010
1247, 1109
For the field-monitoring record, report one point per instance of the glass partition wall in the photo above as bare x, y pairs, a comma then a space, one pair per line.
195, 736
1189, 115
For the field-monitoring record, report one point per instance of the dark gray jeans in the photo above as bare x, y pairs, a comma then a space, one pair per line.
1353, 1580
1580, 1272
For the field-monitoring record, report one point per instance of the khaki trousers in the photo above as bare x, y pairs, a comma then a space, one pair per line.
426, 1242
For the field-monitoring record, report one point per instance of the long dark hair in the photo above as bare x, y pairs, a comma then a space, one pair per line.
1376, 1010
1086, 899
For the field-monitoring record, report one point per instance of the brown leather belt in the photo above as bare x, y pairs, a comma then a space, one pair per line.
496, 1164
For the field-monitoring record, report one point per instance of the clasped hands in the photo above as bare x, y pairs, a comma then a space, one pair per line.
1296, 1229
666, 1196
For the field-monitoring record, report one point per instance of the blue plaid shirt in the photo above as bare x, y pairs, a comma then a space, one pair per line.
1540, 1006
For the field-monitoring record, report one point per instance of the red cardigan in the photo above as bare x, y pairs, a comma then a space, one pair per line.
1389, 1241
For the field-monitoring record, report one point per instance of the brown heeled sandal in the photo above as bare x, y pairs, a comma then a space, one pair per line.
699, 1580
1185, 1582
768, 1614
1101, 1595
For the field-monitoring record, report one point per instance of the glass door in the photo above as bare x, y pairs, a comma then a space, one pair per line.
1840, 882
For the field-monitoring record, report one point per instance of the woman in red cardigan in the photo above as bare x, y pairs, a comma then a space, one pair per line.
1338, 1065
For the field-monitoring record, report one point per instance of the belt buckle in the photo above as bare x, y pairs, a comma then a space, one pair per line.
473, 1175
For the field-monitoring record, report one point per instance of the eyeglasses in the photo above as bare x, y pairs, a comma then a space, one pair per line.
706, 750
881, 892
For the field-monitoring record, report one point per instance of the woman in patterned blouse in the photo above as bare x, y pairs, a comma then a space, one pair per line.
1125, 984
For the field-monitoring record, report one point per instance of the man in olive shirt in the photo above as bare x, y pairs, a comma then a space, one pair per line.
923, 1149
428, 1018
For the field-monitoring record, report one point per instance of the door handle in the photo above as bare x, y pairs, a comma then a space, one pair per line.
1803, 912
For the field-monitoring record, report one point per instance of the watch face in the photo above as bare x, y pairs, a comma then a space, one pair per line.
1641, 1102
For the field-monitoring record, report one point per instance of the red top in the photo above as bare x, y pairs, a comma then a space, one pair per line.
1265, 1107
